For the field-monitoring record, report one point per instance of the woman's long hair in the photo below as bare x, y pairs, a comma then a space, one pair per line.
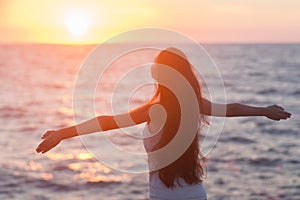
187, 166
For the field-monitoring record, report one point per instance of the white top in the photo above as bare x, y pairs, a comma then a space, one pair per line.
157, 188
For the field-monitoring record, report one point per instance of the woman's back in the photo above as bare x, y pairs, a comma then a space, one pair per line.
157, 189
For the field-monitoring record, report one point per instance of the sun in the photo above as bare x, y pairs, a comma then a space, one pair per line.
77, 22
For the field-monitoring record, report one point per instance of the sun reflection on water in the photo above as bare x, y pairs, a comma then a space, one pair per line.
96, 172
84, 156
46, 176
88, 170
79, 156
32, 166
59, 156
65, 111
110, 178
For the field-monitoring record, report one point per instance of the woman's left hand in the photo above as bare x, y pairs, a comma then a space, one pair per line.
51, 139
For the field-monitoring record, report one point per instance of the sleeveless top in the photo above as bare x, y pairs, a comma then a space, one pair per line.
158, 190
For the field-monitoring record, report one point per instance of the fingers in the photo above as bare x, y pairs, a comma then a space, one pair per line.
278, 113
50, 141
45, 150
47, 134
279, 107
284, 115
41, 147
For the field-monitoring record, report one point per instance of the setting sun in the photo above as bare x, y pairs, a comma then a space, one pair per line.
77, 22
94, 21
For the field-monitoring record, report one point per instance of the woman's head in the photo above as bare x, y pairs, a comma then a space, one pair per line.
187, 165
177, 61
170, 57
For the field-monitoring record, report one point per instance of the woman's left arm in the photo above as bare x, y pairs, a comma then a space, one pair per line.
273, 112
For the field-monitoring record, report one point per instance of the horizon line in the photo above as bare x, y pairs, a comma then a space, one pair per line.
202, 43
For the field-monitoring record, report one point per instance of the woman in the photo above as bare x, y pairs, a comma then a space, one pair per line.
181, 177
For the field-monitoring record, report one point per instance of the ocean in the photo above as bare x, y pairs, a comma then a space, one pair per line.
253, 157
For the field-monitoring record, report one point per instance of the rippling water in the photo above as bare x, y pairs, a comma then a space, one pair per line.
255, 158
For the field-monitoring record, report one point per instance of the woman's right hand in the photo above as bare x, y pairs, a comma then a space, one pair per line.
51, 139
276, 112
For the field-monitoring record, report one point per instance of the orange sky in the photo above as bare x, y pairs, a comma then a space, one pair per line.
93, 21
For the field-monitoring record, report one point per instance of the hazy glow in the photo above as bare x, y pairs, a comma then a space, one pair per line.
93, 21
77, 22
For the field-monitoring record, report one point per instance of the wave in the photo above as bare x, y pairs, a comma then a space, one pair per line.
296, 92
291, 187
265, 161
256, 74
293, 161
11, 182
267, 195
12, 111
256, 162
261, 161
101, 183
10, 108
50, 185
28, 128
62, 168
277, 131
56, 85
237, 139
267, 91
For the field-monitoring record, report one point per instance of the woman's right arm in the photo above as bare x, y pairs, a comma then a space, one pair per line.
273, 112
97, 124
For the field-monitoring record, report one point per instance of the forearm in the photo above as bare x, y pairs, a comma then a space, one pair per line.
97, 124
238, 110
93, 125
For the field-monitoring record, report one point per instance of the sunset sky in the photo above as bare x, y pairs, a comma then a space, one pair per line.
93, 21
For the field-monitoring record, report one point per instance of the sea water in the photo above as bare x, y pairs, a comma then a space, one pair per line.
254, 157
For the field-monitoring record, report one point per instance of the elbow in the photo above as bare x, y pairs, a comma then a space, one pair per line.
104, 122
205, 112
232, 110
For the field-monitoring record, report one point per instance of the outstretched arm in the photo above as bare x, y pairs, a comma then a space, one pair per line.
97, 124
273, 112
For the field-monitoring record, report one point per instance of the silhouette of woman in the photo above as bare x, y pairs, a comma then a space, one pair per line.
182, 178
